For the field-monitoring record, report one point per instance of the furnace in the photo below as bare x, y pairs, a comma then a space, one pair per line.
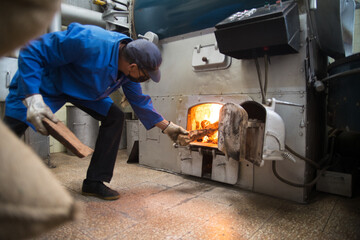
227, 132
203, 119
196, 75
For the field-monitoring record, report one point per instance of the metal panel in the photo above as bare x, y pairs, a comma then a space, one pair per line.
191, 162
160, 152
336, 183
8, 67
246, 175
208, 57
224, 170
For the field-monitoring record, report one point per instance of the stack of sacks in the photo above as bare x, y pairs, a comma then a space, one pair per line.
31, 198
23, 20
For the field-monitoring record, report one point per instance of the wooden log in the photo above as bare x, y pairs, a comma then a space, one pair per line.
200, 133
205, 124
214, 125
61, 133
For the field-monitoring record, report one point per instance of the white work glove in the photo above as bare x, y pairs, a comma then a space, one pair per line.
177, 134
36, 111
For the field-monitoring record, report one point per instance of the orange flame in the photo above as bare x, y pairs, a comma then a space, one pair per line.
201, 116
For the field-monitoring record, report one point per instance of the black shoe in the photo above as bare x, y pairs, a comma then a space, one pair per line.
98, 189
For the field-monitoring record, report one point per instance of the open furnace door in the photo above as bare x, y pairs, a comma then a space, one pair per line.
233, 122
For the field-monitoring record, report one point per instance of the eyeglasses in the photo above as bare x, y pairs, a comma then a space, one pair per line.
143, 78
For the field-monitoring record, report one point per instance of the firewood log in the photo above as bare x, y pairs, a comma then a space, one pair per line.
200, 133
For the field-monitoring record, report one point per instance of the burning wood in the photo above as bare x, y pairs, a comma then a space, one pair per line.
194, 135
200, 133
209, 125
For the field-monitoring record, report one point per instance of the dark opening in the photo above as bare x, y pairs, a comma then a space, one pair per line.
207, 165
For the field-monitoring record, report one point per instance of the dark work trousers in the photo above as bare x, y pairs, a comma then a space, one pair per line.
107, 144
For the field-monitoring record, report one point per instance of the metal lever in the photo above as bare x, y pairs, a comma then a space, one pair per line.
176, 145
270, 101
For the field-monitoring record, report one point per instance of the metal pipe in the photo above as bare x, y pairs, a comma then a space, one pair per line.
266, 63
313, 4
260, 81
55, 25
71, 14
342, 74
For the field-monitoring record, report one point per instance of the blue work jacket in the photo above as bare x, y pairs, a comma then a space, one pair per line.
80, 63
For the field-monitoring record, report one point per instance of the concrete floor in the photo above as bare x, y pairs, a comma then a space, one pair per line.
159, 205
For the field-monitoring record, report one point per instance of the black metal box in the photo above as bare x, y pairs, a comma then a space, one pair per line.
272, 29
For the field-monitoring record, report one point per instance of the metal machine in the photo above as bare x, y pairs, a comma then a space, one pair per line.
264, 59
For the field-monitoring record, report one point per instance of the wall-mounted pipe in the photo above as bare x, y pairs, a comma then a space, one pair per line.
56, 23
71, 14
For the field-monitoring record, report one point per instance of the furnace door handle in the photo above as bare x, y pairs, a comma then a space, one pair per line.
176, 145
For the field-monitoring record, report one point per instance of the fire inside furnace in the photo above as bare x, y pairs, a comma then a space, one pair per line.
203, 122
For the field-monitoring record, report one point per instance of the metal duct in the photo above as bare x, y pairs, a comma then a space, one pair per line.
71, 14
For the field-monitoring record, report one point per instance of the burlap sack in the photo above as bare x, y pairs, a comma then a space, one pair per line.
22, 20
31, 198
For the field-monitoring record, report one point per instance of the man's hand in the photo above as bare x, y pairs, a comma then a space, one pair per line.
183, 140
36, 111
177, 134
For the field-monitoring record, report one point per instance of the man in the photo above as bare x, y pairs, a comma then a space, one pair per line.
84, 65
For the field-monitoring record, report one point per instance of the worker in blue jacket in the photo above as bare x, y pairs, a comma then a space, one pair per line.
84, 65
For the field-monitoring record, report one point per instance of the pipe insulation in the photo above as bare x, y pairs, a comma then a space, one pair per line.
71, 14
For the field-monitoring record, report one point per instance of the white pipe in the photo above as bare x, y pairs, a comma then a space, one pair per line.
71, 14
56, 23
